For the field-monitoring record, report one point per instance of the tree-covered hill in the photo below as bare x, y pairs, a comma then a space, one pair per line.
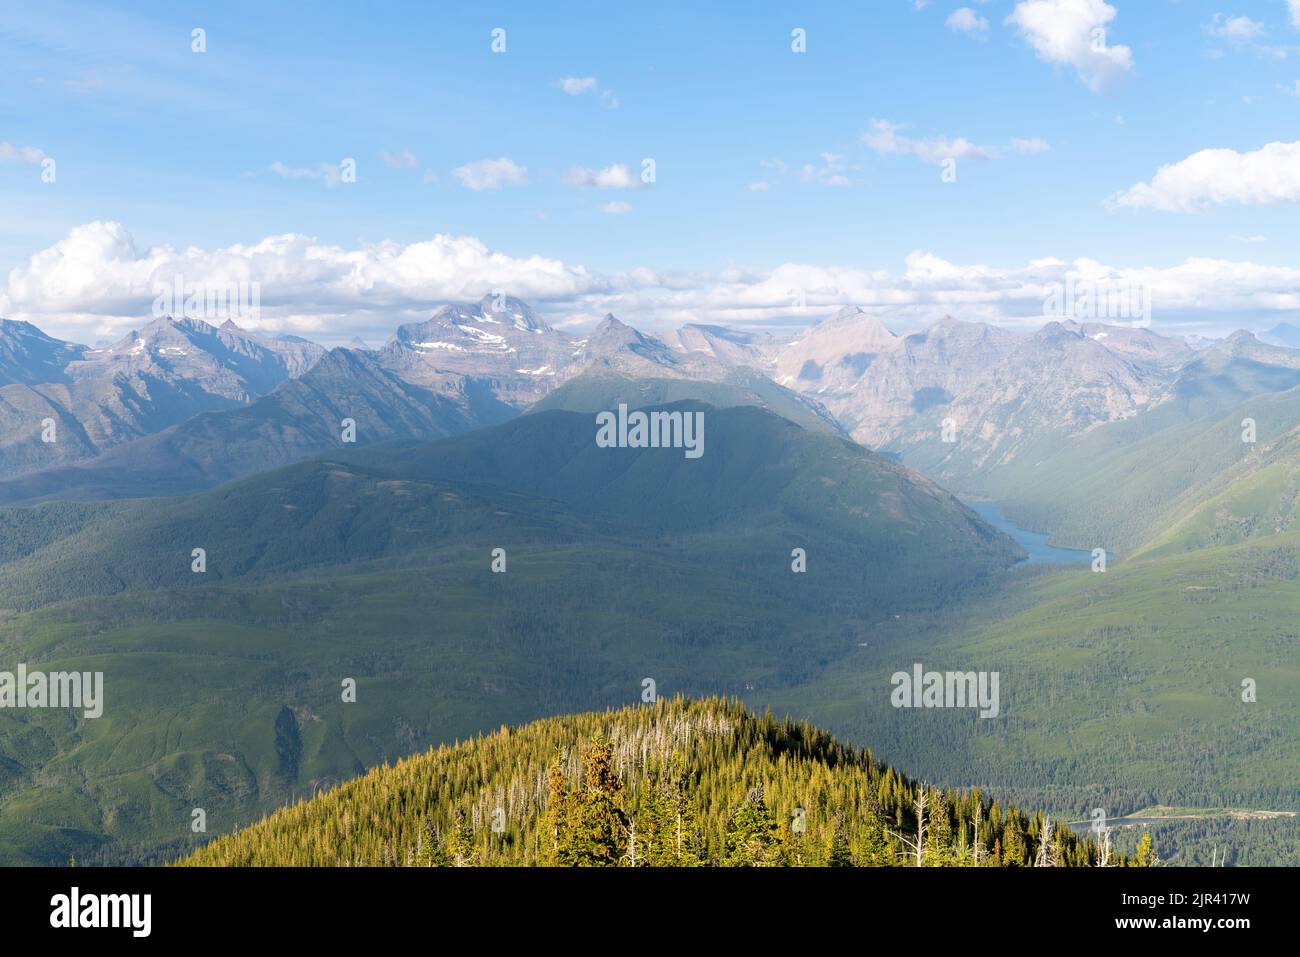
675, 783
537, 478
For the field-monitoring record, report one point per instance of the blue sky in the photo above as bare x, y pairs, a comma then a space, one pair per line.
180, 149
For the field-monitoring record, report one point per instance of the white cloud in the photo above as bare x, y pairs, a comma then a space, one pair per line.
1073, 32
617, 207
761, 186
966, 20
403, 160
885, 139
1211, 177
327, 173
1294, 6
614, 176
929, 287
576, 85
831, 171
491, 174
21, 154
98, 283
1236, 29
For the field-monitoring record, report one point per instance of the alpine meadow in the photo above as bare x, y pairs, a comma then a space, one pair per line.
447, 450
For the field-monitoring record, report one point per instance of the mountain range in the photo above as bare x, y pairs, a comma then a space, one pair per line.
349, 506
1007, 398
150, 379
181, 405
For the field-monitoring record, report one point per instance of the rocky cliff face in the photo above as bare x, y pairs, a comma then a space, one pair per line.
996, 390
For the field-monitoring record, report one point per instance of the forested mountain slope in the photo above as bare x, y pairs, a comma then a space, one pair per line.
676, 783
760, 475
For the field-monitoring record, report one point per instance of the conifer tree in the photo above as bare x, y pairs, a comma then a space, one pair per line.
678, 798
1015, 851
873, 848
460, 847
557, 847
753, 836
599, 827
1146, 853
938, 838
682, 822
837, 848
430, 852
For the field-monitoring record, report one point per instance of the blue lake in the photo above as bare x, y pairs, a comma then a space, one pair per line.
1032, 542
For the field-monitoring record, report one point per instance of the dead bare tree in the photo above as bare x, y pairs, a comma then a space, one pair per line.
916, 847
1047, 852
1103, 850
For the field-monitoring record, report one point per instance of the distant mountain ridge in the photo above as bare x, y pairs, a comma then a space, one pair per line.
467, 366
301, 417
150, 379
982, 409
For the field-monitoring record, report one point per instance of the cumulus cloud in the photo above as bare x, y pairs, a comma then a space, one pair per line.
929, 288
491, 174
966, 20
615, 176
617, 207
1236, 29
1212, 177
578, 85
98, 282
1294, 6
20, 154
1073, 33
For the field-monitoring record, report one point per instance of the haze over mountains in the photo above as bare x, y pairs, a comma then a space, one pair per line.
967, 403
152, 378
276, 400
369, 562
474, 430
986, 411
